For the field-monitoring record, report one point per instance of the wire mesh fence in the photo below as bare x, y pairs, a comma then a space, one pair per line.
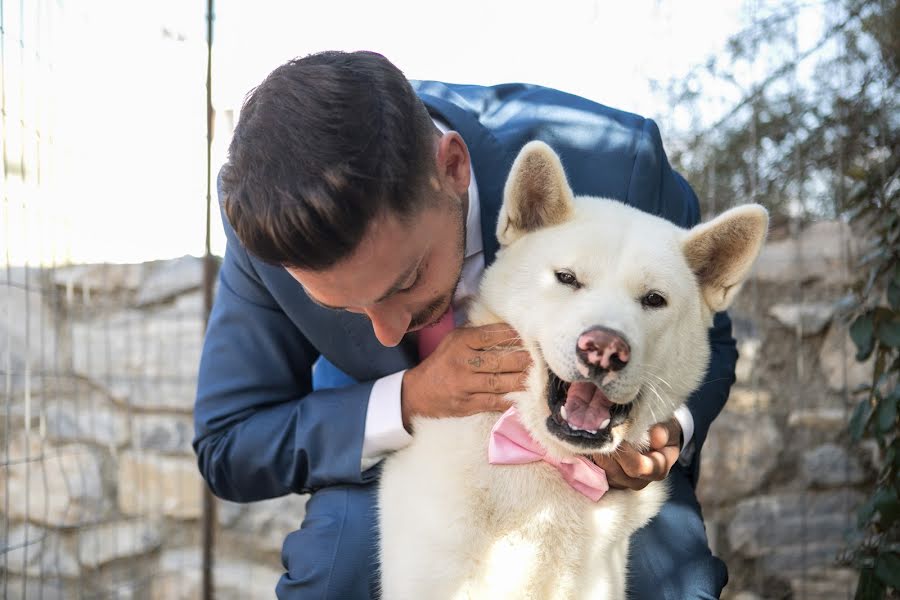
100, 495
99, 489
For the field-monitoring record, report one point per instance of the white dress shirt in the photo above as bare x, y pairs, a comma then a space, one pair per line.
384, 431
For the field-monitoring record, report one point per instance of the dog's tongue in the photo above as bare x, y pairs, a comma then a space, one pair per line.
586, 407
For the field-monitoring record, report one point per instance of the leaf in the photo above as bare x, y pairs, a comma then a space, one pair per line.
869, 586
893, 294
887, 413
889, 332
887, 504
862, 332
887, 569
860, 419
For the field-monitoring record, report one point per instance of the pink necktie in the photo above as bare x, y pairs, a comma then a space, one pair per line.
431, 336
511, 444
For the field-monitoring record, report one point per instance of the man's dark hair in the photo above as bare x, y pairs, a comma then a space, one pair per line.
325, 144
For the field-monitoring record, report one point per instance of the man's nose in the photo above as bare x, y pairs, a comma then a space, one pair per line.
389, 326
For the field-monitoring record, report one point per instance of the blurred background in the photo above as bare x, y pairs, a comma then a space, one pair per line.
115, 114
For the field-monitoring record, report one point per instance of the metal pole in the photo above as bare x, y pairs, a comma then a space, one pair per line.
209, 273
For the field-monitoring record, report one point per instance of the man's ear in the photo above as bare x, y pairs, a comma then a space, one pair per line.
453, 162
536, 194
722, 252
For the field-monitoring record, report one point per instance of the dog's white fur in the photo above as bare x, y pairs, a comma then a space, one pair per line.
452, 525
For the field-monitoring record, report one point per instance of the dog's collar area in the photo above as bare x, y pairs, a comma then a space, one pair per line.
557, 391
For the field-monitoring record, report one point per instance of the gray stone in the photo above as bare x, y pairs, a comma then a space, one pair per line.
151, 484
748, 355
837, 361
827, 419
267, 523
28, 329
39, 588
39, 552
171, 278
228, 513
171, 434
90, 419
830, 465
55, 486
748, 401
190, 304
746, 596
824, 251
146, 359
825, 584
810, 317
793, 532
739, 454
178, 577
112, 541
98, 278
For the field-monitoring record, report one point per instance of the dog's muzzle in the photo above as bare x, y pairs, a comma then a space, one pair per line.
581, 413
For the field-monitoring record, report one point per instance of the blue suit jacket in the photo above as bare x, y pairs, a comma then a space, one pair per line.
261, 431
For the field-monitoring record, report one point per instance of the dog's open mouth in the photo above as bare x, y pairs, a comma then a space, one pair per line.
581, 413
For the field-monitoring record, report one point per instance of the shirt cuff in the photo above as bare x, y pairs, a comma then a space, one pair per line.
384, 431
686, 420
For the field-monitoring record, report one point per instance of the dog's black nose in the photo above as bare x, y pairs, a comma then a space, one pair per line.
603, 348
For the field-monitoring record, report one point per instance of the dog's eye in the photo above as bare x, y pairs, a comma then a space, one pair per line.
653, 300
568, 278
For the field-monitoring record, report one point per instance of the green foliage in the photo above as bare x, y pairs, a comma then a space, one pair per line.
812, 130
876, 333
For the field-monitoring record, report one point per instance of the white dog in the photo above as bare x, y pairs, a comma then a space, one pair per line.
614, 305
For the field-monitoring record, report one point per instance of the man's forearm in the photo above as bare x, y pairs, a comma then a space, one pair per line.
295, 446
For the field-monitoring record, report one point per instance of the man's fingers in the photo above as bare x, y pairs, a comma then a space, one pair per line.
615, 476
659, 436
489, 402
671, 454
651, 466
491, 336
665, 434
496, 383
504, 360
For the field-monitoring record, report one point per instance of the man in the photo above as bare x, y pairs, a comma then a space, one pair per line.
359, 211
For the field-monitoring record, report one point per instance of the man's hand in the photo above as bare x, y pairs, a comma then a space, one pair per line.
629, 468
471, 371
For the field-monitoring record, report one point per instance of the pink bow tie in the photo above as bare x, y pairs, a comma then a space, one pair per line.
511, 444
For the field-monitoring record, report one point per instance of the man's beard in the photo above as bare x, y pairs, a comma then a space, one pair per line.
438, 306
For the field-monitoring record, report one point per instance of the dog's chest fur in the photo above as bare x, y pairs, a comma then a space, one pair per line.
454, 526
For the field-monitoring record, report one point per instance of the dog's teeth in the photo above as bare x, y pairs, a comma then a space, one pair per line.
604, 424
562, 412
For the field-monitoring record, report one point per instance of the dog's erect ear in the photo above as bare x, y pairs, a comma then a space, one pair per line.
536, 194
722, 251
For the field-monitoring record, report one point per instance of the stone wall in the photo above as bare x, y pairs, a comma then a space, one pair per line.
779, 483
100, 493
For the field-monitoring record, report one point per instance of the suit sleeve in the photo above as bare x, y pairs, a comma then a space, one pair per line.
260, 430
657, 188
